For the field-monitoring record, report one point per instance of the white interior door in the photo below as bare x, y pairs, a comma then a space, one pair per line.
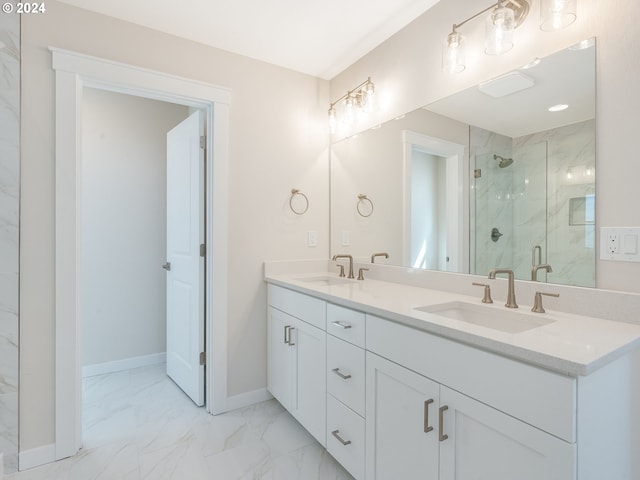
185, 266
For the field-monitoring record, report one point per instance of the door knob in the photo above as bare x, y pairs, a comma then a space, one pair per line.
166, 266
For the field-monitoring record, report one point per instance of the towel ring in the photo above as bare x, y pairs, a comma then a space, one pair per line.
363, 199
295, 192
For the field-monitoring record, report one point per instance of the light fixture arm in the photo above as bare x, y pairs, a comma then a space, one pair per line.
519, 7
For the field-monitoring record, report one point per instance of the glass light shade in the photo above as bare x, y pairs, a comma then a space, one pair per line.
557, 14
369, 95
453, 53
349, 110
500, 25
333, 121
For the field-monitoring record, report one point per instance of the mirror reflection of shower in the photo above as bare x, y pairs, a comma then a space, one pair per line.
504, 162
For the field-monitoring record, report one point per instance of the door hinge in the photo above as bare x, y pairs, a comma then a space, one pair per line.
203, 358
203, 250
203, 141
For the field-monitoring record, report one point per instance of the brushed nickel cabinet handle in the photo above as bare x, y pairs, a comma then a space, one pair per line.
342, 325
427, 428
289, 342
442, 436
336, 433
340, 374
286, 334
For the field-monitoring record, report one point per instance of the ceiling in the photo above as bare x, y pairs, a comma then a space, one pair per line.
566, 77
319, 38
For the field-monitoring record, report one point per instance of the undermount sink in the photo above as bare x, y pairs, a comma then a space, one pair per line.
325, 280
507, 321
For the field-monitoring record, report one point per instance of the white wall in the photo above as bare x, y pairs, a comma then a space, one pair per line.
278, 140
406, 71
124, 224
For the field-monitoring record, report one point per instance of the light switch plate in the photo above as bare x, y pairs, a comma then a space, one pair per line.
620, 244
312, 238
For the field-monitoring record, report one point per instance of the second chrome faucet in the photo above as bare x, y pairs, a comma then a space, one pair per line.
511, 293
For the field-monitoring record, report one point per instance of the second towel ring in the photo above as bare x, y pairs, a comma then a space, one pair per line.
300, 211
363, 200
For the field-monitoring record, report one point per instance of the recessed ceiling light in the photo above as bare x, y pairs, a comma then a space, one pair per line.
559, 107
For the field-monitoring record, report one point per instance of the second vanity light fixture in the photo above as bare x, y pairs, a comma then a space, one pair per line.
357, 101
504, 17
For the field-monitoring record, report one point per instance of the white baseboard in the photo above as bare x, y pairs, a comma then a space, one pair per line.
36, 456
124, 364
248, 398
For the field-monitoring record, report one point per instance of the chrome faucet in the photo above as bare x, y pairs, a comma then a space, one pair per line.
535, 268
511, 294
335, 257
381, 254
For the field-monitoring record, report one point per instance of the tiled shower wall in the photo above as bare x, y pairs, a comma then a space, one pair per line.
543, 198
9, 221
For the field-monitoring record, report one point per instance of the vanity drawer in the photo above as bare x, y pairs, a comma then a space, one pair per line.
344, 426
539, 397
346, 360
346, 324
299, 305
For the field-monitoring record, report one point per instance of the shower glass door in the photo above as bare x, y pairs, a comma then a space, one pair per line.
510, 200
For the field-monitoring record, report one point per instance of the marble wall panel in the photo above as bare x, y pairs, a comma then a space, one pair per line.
9, 235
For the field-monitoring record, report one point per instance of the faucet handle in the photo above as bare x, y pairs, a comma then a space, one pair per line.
361, 274
486, 298
341, 267
537, 302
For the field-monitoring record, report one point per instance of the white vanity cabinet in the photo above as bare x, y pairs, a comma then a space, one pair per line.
297, 356
427, 429
392, 401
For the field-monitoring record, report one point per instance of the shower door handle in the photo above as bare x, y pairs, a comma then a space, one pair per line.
166, 266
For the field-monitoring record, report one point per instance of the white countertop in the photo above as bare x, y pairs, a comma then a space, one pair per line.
571, 344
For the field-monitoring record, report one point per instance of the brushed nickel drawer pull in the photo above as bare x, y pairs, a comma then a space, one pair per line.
342, 325
340, 374
336, 433
289, 342
427, 428
442, 436
286, 334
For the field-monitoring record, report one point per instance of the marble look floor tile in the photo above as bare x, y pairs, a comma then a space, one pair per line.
138, 425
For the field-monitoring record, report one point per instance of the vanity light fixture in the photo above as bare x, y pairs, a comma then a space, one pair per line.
504, 17
557, 14
355, 102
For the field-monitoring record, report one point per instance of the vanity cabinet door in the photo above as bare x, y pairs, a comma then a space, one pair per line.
296, 376
281, 363
480, 442
401, 423
310, 406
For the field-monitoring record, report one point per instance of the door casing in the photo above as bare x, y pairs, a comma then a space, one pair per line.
73, 72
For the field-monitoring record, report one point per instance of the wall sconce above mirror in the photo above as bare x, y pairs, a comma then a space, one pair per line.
503, 18
356, 102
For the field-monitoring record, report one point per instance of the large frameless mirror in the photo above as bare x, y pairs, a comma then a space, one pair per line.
498, 175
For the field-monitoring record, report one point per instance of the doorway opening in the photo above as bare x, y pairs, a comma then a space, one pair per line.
73, 73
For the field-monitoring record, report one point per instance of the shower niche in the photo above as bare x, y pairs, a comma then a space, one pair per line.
536, 190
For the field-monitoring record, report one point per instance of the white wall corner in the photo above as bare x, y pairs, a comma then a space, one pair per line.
36, 457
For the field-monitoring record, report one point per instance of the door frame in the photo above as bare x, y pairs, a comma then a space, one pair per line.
73, 72
441, 148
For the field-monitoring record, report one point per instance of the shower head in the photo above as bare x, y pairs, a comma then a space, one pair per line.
504, 162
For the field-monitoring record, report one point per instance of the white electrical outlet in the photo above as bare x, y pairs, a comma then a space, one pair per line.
620, 244
613, 245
